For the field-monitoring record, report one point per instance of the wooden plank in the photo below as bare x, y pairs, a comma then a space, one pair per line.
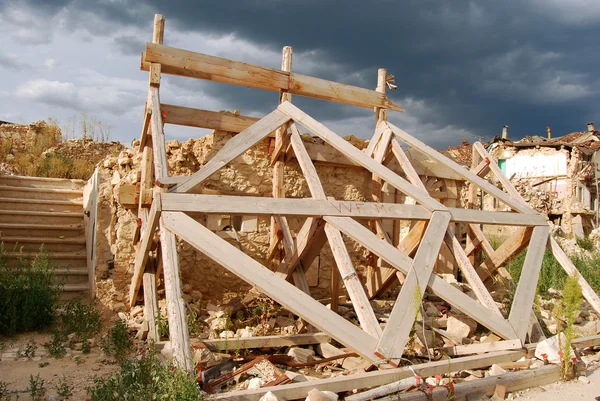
479, 348
397, 330
158, 136
359, 381
269, 341
359, 157
215, 204
141, 257
233, 148
484, 243
221, 121
151, 302
197, 65
481, 389
466, 174
145, 128
385, 276
438, 286
469, 273
523, 300
269, 283
406, 166
178, 328
310, 234
306, 165
351, 281
375, 139
588, 292
473, 216
91, 204
509, 249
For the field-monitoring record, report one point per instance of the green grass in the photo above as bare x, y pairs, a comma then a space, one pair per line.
552, 274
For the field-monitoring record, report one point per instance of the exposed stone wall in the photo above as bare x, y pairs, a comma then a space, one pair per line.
250, 173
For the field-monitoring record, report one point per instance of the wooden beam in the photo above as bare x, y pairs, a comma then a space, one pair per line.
197, 65
401, 320
588, 292
178, 328
469, 273
479, 348
268, 341
310, 236
145, 128
406, 165
268, 282
151, 303
141, 257
466, 174
508, 250
233, 148
520, 311
375, 139
359, 381
351, 281
221, 121
438, 286
158, 136
359, 157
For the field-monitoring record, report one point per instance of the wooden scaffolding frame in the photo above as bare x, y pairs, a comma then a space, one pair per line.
164, 202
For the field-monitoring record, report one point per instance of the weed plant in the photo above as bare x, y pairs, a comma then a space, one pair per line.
29, 293
81, 319
36, 388
117, 344
146, 378
63, 389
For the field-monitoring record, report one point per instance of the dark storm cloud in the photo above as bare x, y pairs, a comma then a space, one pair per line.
476, 65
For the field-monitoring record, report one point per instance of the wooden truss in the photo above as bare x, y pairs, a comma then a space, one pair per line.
411, 261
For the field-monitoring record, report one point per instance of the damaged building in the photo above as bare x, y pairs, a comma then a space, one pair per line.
556, 176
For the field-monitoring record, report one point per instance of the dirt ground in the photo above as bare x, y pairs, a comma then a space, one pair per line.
571, 391
78, 369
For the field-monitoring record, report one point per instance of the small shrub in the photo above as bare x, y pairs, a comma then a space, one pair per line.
29, 293
146, 379
63, 388
585, 243
28, 351
117, 344
567, 311
56, 347
162, 325
81, 319
36, 388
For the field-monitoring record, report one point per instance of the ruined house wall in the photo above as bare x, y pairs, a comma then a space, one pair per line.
250, 173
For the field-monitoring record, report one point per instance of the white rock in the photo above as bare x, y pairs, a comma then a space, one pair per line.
122, 316
316, 395
136, 310
203, 355
302, 354
496, 370
268, 397
591, 328
551, 348
460, 327
167, 352
247, 332
254, 383
227, 334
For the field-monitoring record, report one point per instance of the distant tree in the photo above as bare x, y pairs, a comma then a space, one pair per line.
85, 126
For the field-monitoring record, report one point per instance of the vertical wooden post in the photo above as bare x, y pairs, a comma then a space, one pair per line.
150, 301
380, 115
280, 135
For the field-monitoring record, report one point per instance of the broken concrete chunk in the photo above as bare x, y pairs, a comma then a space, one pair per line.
496, 370
316, 395
254, 383
460, 327
302, 355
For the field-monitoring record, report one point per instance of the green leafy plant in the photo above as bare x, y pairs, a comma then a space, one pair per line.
28, 351
146, 378
29, 293
585, 243
36, 388
117, 343
56, 347
63, 389
81, 319
162, 325
567, 311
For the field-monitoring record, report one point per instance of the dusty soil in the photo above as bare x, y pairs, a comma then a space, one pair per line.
78, 369
571, 391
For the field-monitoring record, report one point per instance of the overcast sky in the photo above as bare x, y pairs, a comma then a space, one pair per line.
463, 68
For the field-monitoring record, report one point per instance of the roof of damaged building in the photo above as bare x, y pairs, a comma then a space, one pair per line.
586, 141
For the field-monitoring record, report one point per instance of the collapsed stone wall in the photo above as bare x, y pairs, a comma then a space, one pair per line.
250, 173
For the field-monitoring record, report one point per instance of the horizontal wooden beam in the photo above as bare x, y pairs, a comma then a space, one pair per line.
199, 118
215, 204
268, 341
197, 65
